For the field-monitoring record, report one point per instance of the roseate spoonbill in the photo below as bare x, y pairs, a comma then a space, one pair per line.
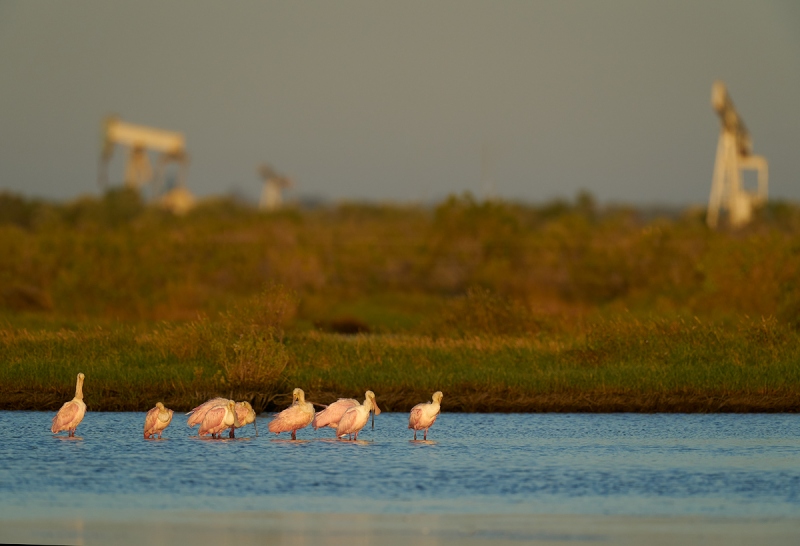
246, 415
297, 416
330, 416
157, 420
244, 411
72, 412
197, 415
218, 419
355, 418
423, 416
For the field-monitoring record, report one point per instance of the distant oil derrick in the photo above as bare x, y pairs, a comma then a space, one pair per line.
139, 140
274, 184
734, 155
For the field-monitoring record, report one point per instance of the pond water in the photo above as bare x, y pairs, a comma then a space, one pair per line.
579, 464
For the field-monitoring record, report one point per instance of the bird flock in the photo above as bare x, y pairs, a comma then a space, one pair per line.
347, 416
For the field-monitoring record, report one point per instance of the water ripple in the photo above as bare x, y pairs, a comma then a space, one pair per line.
624, 464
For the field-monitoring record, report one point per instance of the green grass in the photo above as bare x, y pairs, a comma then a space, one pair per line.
617, 365
502, 306
658, 365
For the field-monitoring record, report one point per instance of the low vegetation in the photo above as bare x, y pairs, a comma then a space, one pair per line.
503, 307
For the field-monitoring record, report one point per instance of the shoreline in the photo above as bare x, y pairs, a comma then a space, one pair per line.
453, 403
207, 528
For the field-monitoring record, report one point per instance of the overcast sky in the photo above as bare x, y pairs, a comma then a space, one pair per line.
399, 101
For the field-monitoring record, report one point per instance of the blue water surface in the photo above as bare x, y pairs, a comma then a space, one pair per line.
622, 464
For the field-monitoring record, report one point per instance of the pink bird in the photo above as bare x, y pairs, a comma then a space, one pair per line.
330, 416
355, 418
298, 415
218, 419
423, 416
197, 415
244, 411
157, 420
246, 415
72, 412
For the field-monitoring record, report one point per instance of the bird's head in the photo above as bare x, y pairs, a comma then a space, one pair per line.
249, 414
245, 412
371, 397
232, 408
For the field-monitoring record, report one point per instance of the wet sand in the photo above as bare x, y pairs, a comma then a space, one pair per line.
292, 528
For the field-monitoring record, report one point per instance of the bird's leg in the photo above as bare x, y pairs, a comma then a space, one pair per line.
425, 436
294, 435
231, 435
355, 438
415, 434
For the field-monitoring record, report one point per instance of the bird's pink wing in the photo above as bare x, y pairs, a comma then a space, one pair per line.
208, 404
64, 417
321, 419
292, 418
199, 413
331, 415
415, 417
150, 421
347, 422
213, 420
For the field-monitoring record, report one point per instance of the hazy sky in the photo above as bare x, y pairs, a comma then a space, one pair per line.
397, 100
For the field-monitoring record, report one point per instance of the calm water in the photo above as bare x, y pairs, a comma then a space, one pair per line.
621, 464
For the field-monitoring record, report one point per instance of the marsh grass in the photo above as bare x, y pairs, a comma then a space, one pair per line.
240, 355
618, 365
504, 307
482, 312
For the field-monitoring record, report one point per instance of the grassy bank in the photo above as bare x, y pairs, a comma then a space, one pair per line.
502, 306
676, 366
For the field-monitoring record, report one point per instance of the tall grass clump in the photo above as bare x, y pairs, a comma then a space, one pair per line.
246, 342
251, 350
239, 355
